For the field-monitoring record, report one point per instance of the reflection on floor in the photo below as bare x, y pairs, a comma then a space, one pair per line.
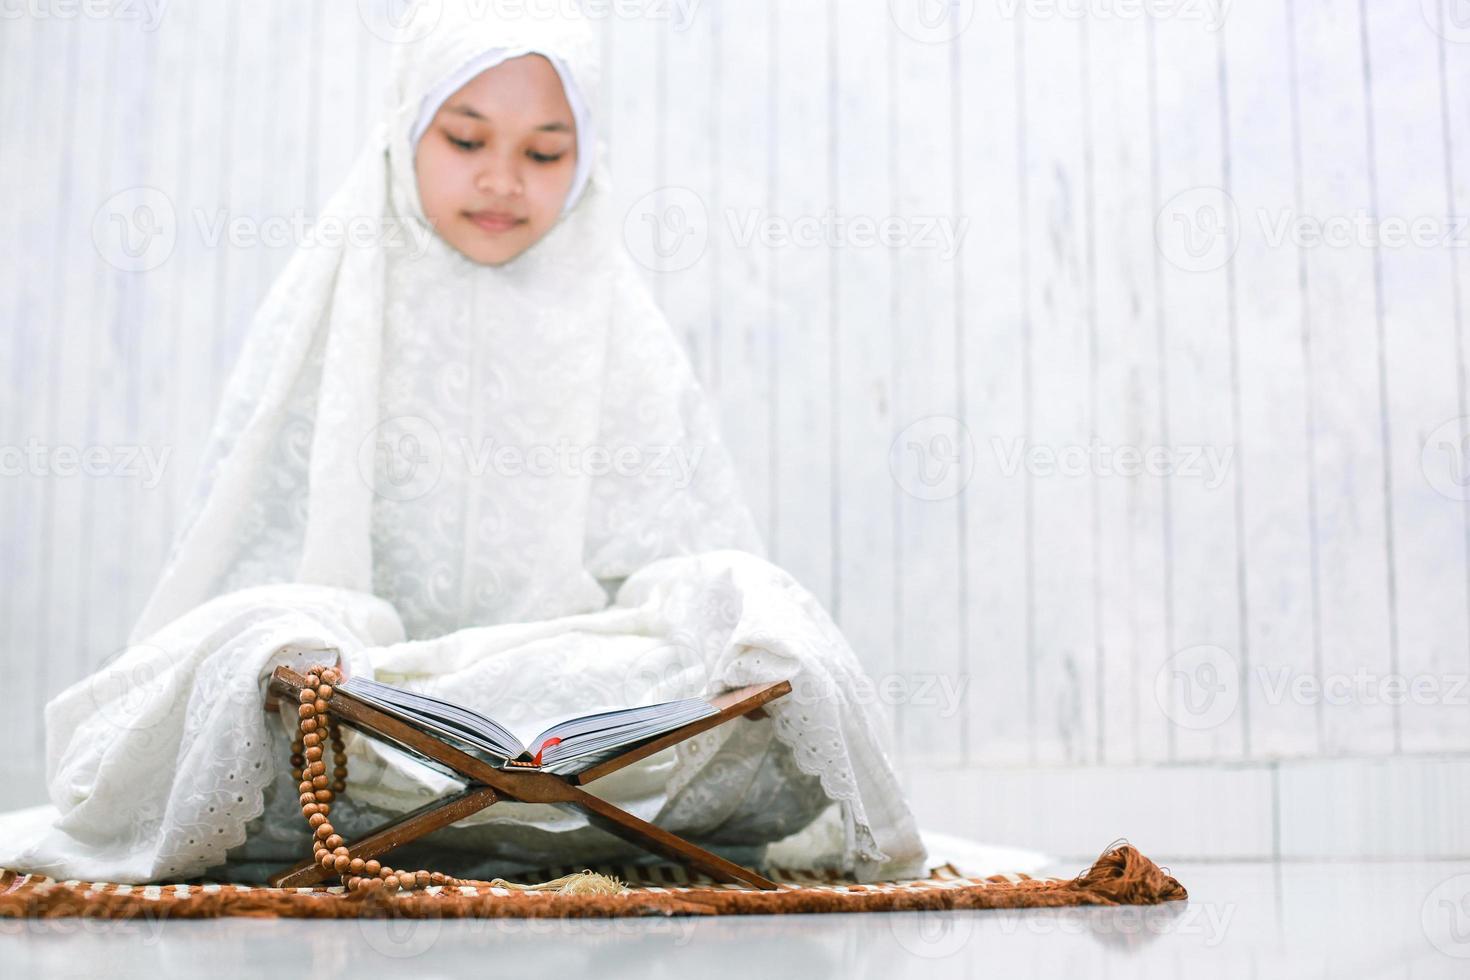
1407, 920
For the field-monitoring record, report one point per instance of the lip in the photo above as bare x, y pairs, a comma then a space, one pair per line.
494, 221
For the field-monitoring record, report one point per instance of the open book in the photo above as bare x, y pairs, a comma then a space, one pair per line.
563, 746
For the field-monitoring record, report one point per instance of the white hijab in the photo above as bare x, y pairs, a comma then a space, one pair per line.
475, 444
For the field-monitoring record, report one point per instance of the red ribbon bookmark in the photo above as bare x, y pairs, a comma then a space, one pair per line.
544, 746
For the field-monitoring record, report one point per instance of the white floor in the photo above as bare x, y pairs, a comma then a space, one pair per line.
1338, 920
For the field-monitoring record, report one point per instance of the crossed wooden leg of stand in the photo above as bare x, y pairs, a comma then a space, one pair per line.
487, 784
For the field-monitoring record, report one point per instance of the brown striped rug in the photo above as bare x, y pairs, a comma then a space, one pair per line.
1120, 876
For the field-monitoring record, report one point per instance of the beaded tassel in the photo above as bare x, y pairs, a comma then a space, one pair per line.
318, 790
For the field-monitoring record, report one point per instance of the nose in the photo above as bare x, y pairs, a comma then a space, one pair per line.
499, 178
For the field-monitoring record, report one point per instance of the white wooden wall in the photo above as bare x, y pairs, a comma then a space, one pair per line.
1086, 145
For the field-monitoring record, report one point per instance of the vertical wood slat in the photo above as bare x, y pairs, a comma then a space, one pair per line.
933, 452
1347, 413
992, 276
24, 149
683, 155
1452, 62
1421, 386
1200, 396
114, 319
801, 323
1274, 455
1059, 404
865, 576
165, 290
742, 117
67, 384
1131, 636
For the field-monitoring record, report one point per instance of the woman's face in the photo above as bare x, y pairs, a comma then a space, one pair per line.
497, 161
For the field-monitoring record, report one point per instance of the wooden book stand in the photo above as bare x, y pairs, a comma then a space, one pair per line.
488, 784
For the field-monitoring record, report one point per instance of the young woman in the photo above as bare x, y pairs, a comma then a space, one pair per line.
463, 452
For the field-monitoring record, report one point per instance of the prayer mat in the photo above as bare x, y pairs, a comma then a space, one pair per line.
1120, 876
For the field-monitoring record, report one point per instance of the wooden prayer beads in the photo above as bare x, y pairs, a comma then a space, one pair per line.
318, 790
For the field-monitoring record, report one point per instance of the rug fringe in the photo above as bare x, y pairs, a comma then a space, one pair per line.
584, 882
1123, 876
1120, 876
